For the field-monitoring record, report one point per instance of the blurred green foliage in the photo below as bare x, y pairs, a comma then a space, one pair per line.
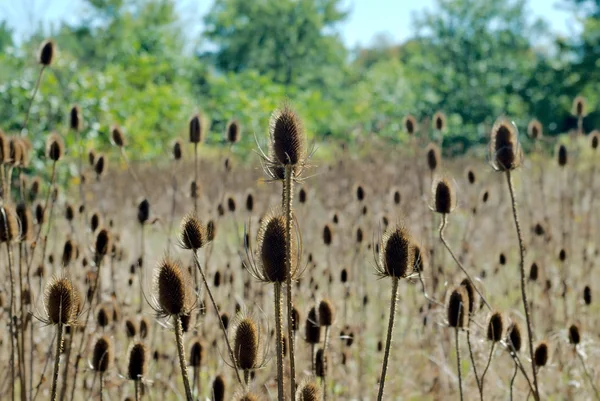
134, 63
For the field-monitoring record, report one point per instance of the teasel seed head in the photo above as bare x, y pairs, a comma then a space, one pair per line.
25, 222
55, 147
574, 335
312, 330
594, 139
326, 313
587, 295
410, 124
117, 136
61, 301
138, 361
211, 230
458, 311
533, 272
9, 225
94, 222
144, 328
245, 397
143, 211
321, 363
218, 388
130, 328
495, 329
579, 107
196, 353
272, 248
177, 150
505, 150
172, 288
471, 296
196, 129
102, 316
194, 235
102, 244
514, 336
99, 166
302, 196
444, 196
540, 355
231, 204
102, 354
75, 119
396, 253
433, 156
308, 391
562, 255
562, 155
439, 121
234, 131
327, 235
535, 129
46, 52
288, 141
246, 343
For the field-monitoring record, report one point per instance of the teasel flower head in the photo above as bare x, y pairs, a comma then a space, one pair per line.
574, 335
458, 308
218, 388
9, 224
562, 155
234, 132
117, 136
434, 156
173, 290
308, 390
505, 151
61, 302
535, 129
177, 150
396, 253
46, 52
495, 329
443, 195
514, 337
25, 222
312, 329
197, 351
55, 147
194, 235
594, 139
410, 124
138, 361
540, 356
102, 355
249, 346
439, 121
75, 120
579, 107
196, 129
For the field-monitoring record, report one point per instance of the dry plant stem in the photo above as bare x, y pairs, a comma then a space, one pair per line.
101, 385
181, 353
196, 177
35, 90
22, 320
279, 339
39, 231
63, 388
59, 335
388, 343
288, 191
589, 376
136, 385
474, 364
509, 180
141, 267
216, 308
427, 297
442, 227
456, 344
487, 366
12, 322
512, 380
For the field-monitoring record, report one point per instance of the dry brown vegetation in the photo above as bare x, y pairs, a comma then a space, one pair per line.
211, 277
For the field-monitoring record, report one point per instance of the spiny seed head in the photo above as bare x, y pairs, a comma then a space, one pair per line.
396, 253
410, 124
25, 222
245, 397
458, 311
231, 204
144, 328
562, 155
312, 329
218, 388
246, 344
196, 129
172, 288
211, 230
92, 157
117, 136
75, 118
249, 202
495, 329
587, 295
46, 53
308, 391
138, 360
99, 165
14, 151
533, 272
288, 141
540, 355
234, 131
514, 336
102, 354
439, 121
574, 335
327, 235
433, 156
55, 147
143, 211
9, 225
103, 316
326, 313
471, 295
177, 150
94, 221
579, 107
102, 242
594, 139
505, 151
444, 196
194, 235
535, 129
196, 354
302, 195
130, 328
272, 249
61, 301
471, 176
321, 363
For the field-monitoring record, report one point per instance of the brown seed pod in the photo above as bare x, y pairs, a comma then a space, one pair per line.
321, 363
594, 139
46, 53
102, 316
196, 129
535, 129
514, 336
233, 132
470, 176
579, 107
194, 235
138, 361
420, 259
439, 121
505, 150
444, 196
246, 344
302, 196
471, 296
326, 313
102, 243
562, 155
396, 253
327, 235
130, 328
102, 354
587, 295
540, 355
410, 124
25, 222
92, 157
495, 329
211, 230
99, 166
144, 327
117, 136
196, 353
172, 288
288, 141
69, 212
458, 308
75, 118
218, 388
177, 150
231, 204
55, 147
143, 211
249, 202
295, 319
533, 272
272, 249
94, 221
9, 225
359, 235
574, 335
312, 330
61, 301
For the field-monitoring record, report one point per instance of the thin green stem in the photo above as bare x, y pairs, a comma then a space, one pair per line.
279, 339
458, 369
59, 335
509, 180
181, 353
288, 193
388, 344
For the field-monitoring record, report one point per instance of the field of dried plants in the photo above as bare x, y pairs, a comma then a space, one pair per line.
390, 273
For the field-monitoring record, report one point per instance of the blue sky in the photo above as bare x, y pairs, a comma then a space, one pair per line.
368, 17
